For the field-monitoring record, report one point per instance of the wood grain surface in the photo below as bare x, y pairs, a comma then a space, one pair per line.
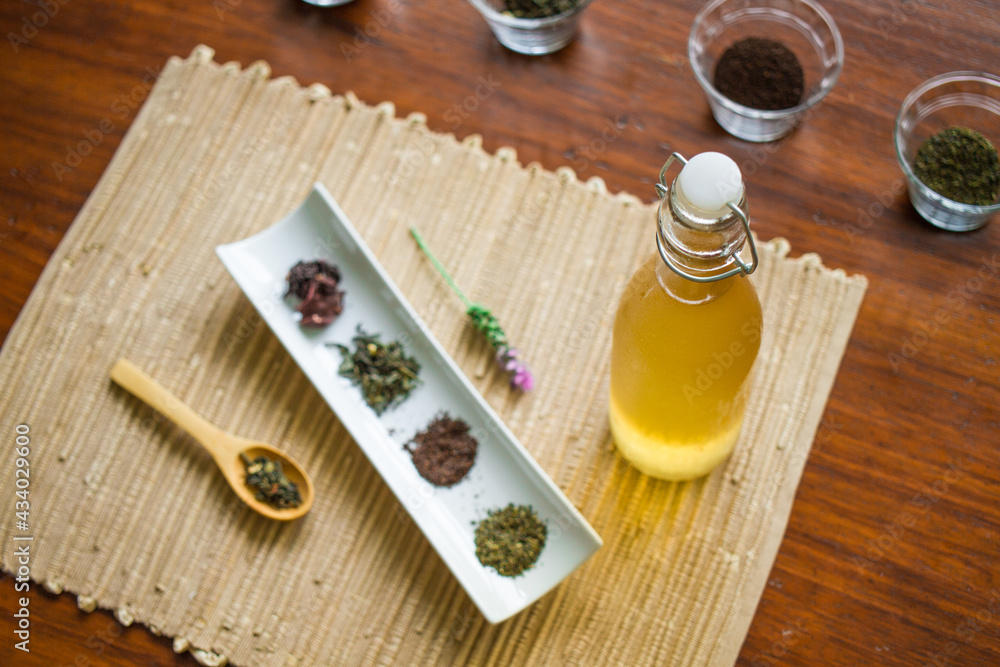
890, 557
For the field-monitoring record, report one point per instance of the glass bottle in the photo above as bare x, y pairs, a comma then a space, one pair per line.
688, 327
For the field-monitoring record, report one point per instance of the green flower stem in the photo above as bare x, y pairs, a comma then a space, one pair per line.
437, 265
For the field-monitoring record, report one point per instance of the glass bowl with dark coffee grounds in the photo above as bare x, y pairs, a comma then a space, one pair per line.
947, 137
532, 27
764, 64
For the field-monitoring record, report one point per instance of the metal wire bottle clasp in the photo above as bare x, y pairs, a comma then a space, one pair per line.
741, 268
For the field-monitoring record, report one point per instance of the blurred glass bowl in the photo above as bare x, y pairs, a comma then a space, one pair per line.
327, 3
533, 37
965, 99
801, 25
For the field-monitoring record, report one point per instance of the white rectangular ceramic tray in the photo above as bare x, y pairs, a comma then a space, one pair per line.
503, 472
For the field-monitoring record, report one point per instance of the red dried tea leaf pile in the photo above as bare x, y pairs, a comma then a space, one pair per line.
317, 285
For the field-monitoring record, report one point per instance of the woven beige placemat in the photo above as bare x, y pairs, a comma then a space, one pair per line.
128, 513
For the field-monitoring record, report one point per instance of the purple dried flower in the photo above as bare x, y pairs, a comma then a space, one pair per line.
521, 377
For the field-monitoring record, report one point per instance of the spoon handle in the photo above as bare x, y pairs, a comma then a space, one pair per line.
129, 377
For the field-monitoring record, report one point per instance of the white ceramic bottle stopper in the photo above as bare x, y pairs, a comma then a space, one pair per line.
709, 181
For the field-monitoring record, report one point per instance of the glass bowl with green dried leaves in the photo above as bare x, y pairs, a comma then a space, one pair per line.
947, 134
532, 27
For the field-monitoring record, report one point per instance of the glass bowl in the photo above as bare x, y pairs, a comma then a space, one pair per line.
966, 99
801, 25
533, 37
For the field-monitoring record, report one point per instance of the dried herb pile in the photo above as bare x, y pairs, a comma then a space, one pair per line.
443, 452
537, 9
317, 285
384, 373
269, 480
510, 539
760, 73
960, 164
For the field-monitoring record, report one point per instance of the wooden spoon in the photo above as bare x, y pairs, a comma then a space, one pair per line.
224, 447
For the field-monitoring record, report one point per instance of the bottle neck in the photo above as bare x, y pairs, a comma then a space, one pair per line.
702, 244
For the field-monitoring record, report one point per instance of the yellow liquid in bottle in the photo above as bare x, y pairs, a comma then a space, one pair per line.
681, 355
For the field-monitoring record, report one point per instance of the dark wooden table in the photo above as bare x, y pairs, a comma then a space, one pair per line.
891, 555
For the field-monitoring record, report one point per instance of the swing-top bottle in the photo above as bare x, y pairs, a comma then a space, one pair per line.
688, 327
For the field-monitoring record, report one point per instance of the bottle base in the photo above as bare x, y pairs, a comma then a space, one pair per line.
671, 461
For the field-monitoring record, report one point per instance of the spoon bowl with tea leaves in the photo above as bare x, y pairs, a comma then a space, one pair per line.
264, 477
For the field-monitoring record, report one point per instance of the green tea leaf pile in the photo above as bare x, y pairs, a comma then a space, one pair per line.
510, 539
384, 373
960, 164
268, 479
536, 9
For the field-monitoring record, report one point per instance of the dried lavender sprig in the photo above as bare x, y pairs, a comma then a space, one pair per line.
485, 322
